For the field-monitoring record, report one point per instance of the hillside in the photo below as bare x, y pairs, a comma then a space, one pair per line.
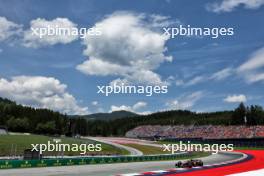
108, 116
27, 119
43, 121
254, 116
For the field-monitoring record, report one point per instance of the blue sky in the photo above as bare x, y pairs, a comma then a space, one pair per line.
202, 74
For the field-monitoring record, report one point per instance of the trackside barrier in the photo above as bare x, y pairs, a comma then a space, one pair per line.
8, 164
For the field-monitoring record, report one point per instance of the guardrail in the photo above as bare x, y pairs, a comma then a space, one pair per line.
9, 164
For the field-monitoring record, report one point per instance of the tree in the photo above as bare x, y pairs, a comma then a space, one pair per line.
255, 115
25, 119
18, 125
46, 128
239, 115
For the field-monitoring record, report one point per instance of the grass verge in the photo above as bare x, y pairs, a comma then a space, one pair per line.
146, 149
11, 145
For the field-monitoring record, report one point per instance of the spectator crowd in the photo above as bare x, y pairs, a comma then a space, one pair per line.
191, 131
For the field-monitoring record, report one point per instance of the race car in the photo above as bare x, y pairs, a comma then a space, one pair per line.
189, 163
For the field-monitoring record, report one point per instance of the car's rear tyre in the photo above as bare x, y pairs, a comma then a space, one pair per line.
179, 164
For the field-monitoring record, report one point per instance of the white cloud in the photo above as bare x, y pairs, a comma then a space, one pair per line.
217, 76
222, 74
99, 67
254, 77
121, 108
40, 92
119, 82
251, 69
230, 5
235, 98
170, 80
134, 108
139, 105
32, 40
95, 103
256, 61
179, 82
96, 107
186, 101
8, 29
129, 47
191, 82
195, 80
147, 77
162, 21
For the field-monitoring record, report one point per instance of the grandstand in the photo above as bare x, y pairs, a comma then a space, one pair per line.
240, 136
191, 131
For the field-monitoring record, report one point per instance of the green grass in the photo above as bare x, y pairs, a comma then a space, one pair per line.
148, 150
195, 155
166, 142
22, 142
248, 148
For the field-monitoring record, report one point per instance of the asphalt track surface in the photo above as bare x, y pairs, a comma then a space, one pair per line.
110, 169
253, 167
122, 140
132, 151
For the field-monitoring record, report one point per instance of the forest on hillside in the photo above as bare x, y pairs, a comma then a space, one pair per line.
242, 115
19, 118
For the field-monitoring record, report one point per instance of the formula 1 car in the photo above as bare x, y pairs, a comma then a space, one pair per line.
189, 163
